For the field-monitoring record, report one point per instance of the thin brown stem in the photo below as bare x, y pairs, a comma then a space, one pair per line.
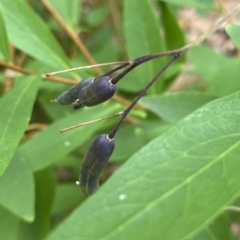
28, 72
36, 126
15, 68
233, 208
73, 36
84, 67
90, 122
60, 80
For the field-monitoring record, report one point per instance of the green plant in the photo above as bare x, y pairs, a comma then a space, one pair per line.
179, 152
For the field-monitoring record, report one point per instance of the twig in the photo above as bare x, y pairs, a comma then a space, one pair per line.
90, 122
233, 208
15, 68
72, 35
176, 54
81, 68
28, 72
36, 126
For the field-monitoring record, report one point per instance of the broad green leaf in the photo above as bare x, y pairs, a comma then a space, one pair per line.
101, 44
52, 110
226, 80
31, 35
233, 32
206, 62
4, 45
68, 196
71, 161
191, 3
45, 190
9, 225
17, 189
185, 177
142, 37
175, 106
132, 137
173, 34
219, 229
50, 145
69, 11
16, 108
174, 39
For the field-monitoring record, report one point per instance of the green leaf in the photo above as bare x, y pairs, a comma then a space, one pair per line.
142, 37
173, 33
45, 186
69, 11
219, 229
96, 17
9, 226
233, 32
31, 35
68, 196
190, 3
54, 111
51, 145
4, 45
16, 108
17, 188
174, 106
174, 39
139, 134
206, 62
101, 44
225, 81
185, 177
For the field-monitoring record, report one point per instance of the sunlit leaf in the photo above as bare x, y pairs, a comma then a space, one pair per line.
191, 3
132, 137
225, 81
142, 37
8, 227
17, 189
69, 11
4, 45
185, 177
206, 62
16, 108
28, 32
174, 106
45, 190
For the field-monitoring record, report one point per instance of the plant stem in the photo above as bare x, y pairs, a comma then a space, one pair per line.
130, 107
135, 62
90, 122
27, 72
78, 42
80, 68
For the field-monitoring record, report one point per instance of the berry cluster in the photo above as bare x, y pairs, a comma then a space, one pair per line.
91, 92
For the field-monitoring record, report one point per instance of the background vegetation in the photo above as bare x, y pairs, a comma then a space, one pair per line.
175, 169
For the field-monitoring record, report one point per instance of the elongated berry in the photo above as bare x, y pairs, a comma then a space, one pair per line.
99, 91
93, 163
71, 95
